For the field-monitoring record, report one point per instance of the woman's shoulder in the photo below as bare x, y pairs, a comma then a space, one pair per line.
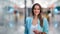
44, 18
29, 17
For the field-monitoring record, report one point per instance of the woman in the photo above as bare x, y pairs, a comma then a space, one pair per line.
36, 24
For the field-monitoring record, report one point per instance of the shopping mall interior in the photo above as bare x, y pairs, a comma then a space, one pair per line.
14, 12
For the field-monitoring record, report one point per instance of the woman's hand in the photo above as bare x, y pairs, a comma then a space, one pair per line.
37, 32
43, 33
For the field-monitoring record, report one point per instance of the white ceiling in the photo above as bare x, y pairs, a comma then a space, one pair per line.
43, 3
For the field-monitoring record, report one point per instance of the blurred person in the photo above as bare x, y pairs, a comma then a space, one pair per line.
48, 15
36, 24
16, 19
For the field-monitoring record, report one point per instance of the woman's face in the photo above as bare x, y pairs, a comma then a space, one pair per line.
36, 10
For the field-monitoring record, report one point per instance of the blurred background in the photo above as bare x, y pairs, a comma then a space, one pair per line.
14, 12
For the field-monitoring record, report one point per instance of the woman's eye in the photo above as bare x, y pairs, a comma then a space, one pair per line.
38, 9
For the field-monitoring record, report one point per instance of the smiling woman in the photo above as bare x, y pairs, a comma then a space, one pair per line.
36, 24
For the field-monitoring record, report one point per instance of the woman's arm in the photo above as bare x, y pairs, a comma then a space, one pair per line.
45, 26
26, 29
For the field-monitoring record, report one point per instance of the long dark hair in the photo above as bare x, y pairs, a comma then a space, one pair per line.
39, 15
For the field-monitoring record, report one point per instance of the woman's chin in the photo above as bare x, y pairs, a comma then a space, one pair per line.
36, 14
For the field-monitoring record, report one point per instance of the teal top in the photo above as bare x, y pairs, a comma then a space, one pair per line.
28, 24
